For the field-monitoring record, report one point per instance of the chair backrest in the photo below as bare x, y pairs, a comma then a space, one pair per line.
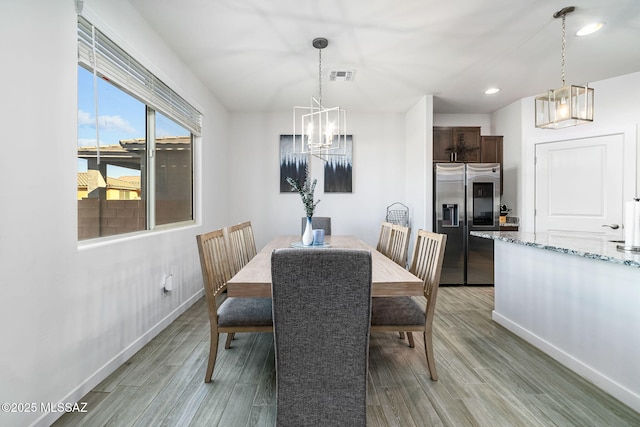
242, 245
399, 244
317, 222
426, 263
321, 316
214, 264
384, 238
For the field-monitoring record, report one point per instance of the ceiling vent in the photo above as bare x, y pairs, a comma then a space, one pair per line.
341, 76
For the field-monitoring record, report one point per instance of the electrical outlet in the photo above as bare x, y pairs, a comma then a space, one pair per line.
167, 285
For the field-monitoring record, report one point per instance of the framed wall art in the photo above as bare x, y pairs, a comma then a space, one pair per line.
338, 171
291, 164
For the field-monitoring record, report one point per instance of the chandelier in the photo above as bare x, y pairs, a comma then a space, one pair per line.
318, 130
568, 106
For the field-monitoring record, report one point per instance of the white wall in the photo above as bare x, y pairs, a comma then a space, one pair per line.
482, 120
72, 313
378, 176
580, 311
616, 112
507, 122
392, 163
418, 169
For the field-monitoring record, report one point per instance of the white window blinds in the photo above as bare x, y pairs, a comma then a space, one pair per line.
118, 67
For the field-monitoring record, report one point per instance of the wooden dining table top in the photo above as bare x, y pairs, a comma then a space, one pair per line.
388, 278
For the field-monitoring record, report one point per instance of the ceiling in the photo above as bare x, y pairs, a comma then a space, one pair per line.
256, 55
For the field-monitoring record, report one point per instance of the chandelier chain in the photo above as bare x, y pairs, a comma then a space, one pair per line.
322, 131
564, 41
320, 76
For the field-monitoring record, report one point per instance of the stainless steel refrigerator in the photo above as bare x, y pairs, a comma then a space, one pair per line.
466, 198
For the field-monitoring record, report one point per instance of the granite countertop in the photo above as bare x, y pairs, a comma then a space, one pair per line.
593, 247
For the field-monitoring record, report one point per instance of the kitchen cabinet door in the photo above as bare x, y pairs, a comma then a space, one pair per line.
456, 144
491, 152
442, 144
466, 144
491, 149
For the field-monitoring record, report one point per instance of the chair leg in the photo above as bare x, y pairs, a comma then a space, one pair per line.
412, 344
230, 336
401, 335
428, 348
213, 352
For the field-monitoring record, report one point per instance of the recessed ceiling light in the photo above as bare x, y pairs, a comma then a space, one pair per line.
492, 90
589, 29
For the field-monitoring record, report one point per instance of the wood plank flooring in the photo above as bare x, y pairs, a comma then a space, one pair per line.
487, 377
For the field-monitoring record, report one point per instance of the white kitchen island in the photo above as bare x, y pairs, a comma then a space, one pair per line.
575, 298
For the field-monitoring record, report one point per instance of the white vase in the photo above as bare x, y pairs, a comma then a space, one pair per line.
307, 236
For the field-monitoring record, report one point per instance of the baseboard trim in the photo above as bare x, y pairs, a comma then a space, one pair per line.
108, 368
616, 390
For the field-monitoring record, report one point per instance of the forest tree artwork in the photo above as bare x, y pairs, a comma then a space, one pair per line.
338, 171
291, 164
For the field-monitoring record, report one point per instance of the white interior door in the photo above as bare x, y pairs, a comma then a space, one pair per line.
579, 186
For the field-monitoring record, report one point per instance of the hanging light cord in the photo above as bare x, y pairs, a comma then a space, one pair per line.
563, 13
320, 75
564, 41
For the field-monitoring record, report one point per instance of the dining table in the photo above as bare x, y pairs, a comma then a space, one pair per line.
388, 279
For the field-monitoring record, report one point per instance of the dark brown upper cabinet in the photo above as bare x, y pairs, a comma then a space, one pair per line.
456, 144
491, 149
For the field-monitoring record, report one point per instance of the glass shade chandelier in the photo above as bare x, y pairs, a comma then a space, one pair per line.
318, 130
568, 106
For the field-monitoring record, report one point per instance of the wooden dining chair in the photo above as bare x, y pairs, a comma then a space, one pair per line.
384, 238
318, 222
398, 248
407, 314
242, 245
232, 314
321, 312
399, 244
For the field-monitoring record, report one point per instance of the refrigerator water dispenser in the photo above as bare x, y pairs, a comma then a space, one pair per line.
450, 215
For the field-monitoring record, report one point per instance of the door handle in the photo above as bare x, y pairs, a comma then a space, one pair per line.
611, 226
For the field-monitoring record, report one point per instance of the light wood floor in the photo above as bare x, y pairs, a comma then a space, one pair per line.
487, 377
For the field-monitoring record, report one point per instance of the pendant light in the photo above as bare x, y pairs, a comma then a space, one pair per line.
317, 130
568, 106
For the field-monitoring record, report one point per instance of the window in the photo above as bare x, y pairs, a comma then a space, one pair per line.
135, 143
173, 172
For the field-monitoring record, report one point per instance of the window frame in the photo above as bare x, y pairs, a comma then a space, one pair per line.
157, 97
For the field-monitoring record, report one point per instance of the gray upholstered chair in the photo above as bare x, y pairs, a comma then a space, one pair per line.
321, 312
407, 314
233, 314
317, 222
